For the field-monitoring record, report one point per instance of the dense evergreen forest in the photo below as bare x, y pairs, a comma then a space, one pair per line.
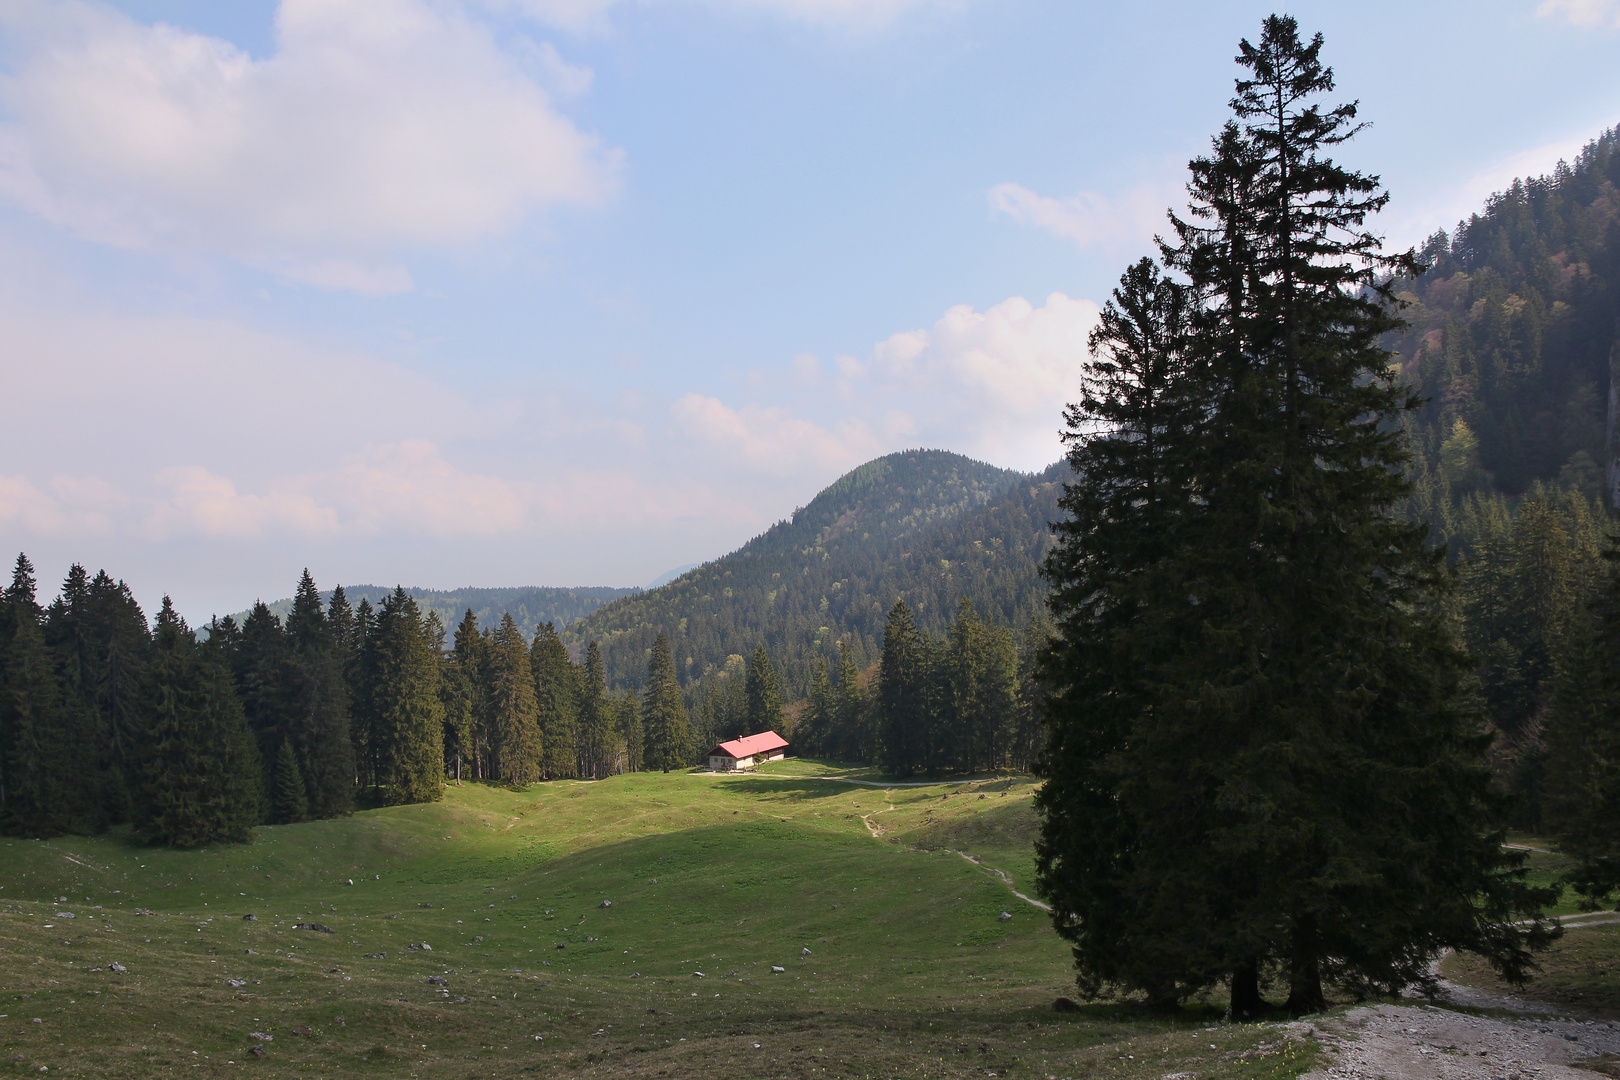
530, 607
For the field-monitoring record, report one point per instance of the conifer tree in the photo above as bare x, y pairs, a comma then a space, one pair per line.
119, 642
362, 679
905, 697
627, 724
45, 794
199, 768
515, 739
317, 707
982, 678
596, 740
1262, 754
813, 734
1583, 747
852, 735
259, 659
665, 731
289, 798
462, 688
764, 694
558, 699
407, 715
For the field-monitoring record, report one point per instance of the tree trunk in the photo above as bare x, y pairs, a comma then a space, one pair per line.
1305, 988
1246, 1001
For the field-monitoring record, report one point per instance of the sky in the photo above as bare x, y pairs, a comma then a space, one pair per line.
570, 292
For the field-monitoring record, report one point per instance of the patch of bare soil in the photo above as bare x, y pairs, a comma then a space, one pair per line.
1524, 1040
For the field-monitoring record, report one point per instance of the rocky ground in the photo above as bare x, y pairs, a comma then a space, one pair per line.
1511, 1038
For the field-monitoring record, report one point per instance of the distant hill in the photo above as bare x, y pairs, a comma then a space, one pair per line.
926, 525
530, 606
1513, 339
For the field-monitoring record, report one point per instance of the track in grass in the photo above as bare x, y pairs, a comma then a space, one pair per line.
628, 927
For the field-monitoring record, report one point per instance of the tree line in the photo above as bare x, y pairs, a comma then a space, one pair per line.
194, 739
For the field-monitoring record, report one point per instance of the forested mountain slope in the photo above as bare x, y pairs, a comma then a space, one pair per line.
529, 607
1512, 338
928, 526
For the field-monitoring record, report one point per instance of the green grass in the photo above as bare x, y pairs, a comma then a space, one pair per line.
1581, 971
910, 972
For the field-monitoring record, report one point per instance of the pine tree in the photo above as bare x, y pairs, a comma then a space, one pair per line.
813, 733
515, 739
1262, 752
851, 730
317, 700
407, 716
199, 768
596, 743
905, 697
982, 678
627, 725
764, 694
362, 680
44, 792
665, 732
259, 659
289, 799
558, 698
1583, 747
462, 688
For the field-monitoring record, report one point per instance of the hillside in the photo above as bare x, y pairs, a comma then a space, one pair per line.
627, 927
1512, 338
529, 606
928, 526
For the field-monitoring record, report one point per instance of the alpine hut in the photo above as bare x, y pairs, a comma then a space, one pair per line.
748, 751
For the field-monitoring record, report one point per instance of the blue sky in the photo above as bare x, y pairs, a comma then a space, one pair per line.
498, 292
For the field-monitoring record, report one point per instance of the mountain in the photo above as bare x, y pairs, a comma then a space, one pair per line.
1512, 338
530, 606
670, 575
928, 526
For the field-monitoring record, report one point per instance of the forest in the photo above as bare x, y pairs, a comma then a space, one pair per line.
194, 739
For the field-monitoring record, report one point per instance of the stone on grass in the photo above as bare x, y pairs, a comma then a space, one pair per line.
777, 970
437, 980
319, 928
605, 903
256, 1051
250, 917
1065, 1005
805, 952
1004, 916
116, 966
261, 1036
233, 983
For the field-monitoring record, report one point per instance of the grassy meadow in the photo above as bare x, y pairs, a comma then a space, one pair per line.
627, 927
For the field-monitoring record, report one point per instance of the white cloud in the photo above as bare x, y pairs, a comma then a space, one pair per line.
1089, 218
588, 16
24, 507
991, 384
1408, 226
1584, 13
378, 126
771, 440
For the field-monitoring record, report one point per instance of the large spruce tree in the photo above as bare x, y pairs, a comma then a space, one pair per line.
515, 740
598, 748
1263, 756
466, 743
46, 791
905, 697
317, 702
764, 694
666, 735
406, 714
199, 769
558, 698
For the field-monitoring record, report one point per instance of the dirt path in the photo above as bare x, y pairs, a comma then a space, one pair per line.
1427, 1042
1006, 879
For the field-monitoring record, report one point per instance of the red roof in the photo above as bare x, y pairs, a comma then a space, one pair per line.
750, 745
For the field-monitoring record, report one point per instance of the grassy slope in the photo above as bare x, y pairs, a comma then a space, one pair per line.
910, 973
